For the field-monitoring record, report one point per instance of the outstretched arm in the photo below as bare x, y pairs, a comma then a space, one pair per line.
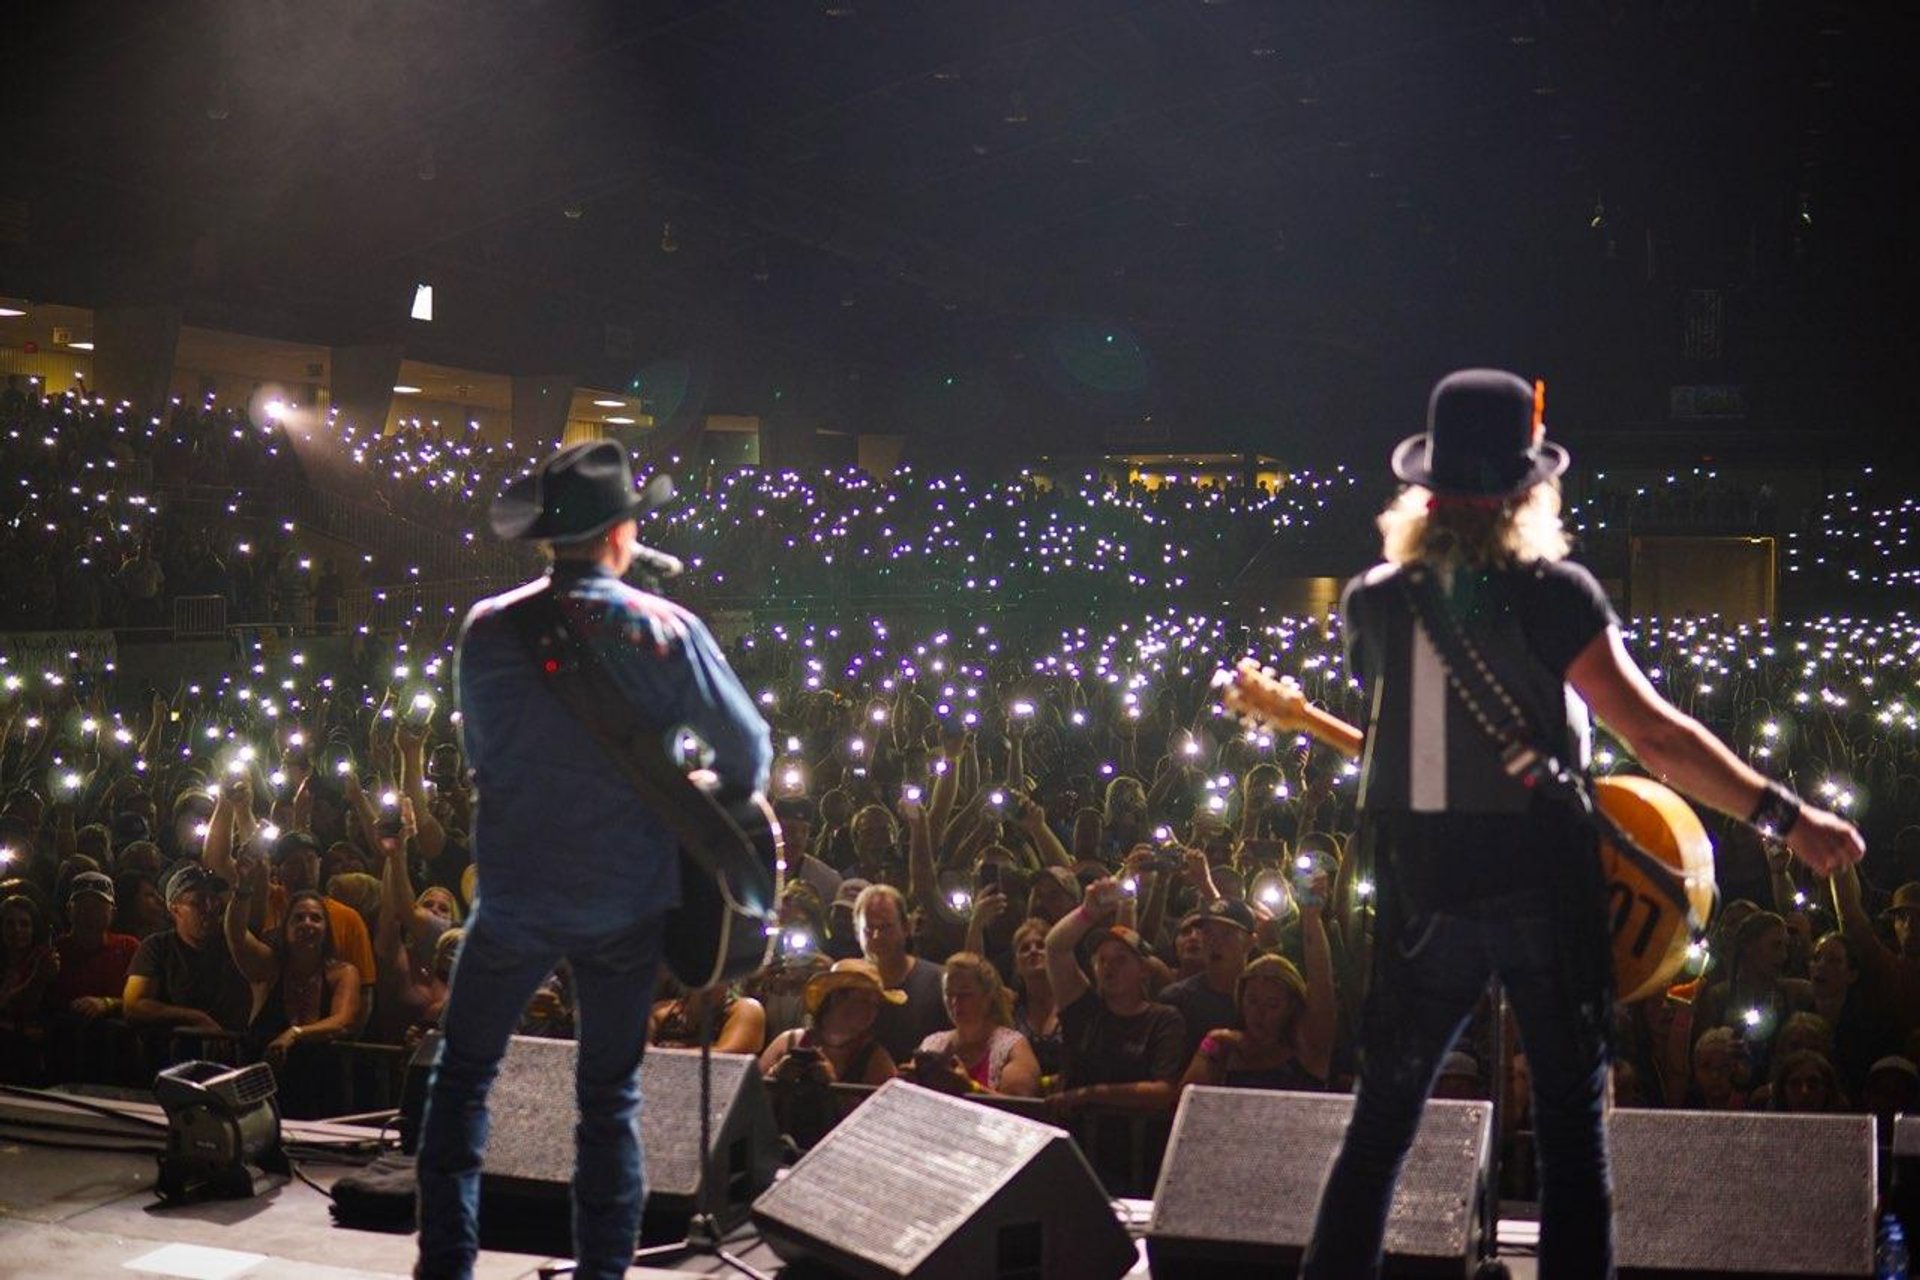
1678, 749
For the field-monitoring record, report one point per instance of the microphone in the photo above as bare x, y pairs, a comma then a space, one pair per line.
657, 564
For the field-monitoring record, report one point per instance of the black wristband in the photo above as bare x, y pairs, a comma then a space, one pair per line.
1777, 812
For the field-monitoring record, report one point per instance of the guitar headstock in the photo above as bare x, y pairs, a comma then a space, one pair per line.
1275, 701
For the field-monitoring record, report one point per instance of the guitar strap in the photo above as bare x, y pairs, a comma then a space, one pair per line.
636, 747
1503, 720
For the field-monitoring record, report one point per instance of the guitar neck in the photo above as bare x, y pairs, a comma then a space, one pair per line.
1331, 731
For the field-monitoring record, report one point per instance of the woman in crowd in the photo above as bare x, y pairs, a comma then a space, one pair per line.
1036, 1015
838, 1040
31, 963
1720, 1073
1834, 973
1804, 1081
739, 1022
982, 1052
1755, 997
302, 993
1285, 1037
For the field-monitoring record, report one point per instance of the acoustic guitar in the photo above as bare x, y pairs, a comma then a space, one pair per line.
1655, 903
732, 863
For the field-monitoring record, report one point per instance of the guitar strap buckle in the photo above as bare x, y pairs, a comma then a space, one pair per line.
1521, 762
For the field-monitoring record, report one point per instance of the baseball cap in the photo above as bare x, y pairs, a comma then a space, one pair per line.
188, 877
1119, 933
95, 882
1237, 914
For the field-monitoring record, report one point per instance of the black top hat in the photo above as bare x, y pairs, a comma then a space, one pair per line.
574, 494
1484, 438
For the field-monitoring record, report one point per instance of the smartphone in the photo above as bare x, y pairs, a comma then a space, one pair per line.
988, 877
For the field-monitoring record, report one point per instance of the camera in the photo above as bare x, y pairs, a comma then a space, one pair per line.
1164, 862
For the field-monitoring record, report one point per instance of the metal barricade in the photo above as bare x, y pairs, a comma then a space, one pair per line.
199, 617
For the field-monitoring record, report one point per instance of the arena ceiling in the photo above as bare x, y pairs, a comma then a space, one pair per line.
1160, 197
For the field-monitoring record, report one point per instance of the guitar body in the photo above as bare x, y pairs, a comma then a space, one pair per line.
1650, 931
1649, 936
709, 938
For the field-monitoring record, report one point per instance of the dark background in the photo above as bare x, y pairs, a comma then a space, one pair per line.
1007, 225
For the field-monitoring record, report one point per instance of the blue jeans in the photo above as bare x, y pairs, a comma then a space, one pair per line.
1426, 983
500, 965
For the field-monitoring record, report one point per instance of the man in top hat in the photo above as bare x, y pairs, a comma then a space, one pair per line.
575, 865
1477, 873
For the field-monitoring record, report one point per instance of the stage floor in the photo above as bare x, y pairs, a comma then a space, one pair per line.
80, 1214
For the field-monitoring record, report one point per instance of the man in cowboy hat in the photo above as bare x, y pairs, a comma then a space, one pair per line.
1478, 873
574, 864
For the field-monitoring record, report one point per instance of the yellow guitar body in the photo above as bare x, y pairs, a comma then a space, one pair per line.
1650, 936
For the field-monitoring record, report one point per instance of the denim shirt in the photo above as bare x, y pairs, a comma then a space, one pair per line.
562, 841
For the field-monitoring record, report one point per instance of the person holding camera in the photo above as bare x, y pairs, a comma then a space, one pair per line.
838, 1044
295, 860
983, 1053
1124, 1053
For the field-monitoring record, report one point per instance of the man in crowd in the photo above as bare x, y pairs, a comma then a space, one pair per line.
1124, 1052
880, 923
1205, 1000
93, 960
185, 977
575, 865
1889, 985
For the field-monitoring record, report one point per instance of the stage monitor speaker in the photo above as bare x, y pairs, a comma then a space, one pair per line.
1244, 1168
1729, 1193
530, 1145
920, 1184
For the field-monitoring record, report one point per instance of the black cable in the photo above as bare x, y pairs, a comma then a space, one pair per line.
301, 1174
80, 1104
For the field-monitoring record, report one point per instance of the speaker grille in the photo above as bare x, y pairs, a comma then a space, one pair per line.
533, 1114
941, 1160
1246, 1166
1707, 1192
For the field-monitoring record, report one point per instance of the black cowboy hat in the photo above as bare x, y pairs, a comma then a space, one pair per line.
1484, 438
574, 494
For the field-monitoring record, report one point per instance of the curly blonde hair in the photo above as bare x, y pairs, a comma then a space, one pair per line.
1473, 534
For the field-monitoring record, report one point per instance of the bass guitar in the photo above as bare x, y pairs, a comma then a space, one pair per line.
1654, 902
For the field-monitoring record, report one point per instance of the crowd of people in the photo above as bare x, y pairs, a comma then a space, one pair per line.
113, 515
1027, 860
